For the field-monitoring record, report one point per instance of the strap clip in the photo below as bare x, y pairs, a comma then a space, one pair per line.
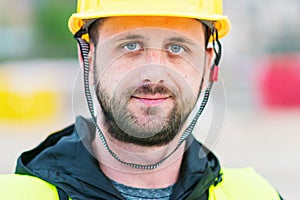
214, 73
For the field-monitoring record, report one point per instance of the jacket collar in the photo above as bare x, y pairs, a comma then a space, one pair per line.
64, 160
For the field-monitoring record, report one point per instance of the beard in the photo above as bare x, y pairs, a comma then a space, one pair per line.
156, 130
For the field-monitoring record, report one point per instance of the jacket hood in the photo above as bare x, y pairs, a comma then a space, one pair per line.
64, 160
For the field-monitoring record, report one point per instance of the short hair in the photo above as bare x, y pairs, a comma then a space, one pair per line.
93, 32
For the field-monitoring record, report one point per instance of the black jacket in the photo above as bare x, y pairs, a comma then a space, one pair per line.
64, 160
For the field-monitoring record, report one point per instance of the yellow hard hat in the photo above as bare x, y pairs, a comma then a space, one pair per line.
206, 10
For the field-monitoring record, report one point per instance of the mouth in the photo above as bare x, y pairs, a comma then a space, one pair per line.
151, 100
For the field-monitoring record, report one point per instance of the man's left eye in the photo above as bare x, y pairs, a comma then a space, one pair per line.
175, 49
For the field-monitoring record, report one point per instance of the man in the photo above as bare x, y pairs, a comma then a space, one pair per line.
149, 64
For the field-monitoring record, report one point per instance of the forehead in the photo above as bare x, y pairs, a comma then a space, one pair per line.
191, 28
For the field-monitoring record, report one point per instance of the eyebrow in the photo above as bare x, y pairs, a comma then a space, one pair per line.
130, 37
140, 37
180, 40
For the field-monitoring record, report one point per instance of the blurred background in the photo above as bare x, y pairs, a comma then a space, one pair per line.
260, 71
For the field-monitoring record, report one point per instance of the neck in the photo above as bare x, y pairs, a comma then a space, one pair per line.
163, 176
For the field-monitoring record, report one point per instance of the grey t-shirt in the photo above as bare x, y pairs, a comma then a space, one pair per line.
132, 193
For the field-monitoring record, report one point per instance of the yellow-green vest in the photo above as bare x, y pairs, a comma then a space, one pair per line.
242, 184
237, 184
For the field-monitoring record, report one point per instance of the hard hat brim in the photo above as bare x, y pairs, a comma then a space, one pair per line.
160, 8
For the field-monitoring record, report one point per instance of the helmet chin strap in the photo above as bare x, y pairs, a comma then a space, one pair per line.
84, 48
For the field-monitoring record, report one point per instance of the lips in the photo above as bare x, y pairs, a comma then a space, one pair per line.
151, 100
151, 94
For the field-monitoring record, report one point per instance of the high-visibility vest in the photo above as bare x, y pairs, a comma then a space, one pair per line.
243, 184
17, 187
237, 184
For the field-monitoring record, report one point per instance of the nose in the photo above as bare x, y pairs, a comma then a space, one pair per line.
155, 56
153, 73
154, 68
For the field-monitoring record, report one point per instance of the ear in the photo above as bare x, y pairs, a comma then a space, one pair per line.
91, 61
207, 67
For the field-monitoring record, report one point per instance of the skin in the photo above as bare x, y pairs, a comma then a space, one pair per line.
171, 47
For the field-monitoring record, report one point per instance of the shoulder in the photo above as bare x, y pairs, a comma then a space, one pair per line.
14, 186
243, 183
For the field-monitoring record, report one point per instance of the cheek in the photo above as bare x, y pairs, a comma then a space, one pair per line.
111, 76
191, 77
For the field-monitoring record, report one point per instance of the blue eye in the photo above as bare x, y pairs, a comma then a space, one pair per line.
175, 49
132, 46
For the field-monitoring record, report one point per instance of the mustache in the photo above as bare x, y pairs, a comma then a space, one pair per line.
152, 89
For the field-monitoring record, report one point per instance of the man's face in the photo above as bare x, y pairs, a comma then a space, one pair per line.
148, 73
